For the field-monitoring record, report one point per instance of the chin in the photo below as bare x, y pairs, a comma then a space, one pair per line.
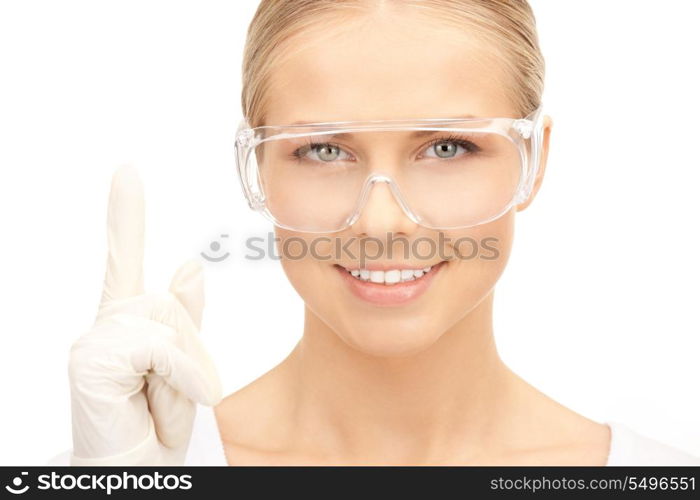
398, 341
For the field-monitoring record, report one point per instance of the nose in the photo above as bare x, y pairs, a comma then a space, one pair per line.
382, 212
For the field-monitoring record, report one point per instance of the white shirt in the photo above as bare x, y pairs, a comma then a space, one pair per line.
627, 446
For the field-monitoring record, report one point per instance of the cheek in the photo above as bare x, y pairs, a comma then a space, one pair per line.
481, 255
304, 259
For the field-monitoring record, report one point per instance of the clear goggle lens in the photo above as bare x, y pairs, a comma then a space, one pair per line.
311, 179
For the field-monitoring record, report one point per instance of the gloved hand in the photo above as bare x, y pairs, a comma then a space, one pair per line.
136, 375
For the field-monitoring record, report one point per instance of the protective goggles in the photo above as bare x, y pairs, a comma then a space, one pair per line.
444, 173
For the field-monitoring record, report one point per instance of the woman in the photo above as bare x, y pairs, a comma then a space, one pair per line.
397, 362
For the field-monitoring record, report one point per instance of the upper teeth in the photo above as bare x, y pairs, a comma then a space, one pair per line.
390, 276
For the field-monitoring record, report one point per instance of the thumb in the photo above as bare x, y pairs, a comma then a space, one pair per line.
172, 411
188, 286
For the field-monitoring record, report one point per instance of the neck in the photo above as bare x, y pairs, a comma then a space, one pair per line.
453, 391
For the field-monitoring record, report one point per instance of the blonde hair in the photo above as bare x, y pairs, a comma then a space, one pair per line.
507, 24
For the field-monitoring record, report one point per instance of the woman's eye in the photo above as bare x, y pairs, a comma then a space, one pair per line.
448, 148
324, 152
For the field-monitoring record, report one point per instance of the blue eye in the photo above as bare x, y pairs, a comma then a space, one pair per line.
452, 142
326, 152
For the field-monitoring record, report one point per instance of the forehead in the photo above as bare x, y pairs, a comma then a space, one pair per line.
383, 68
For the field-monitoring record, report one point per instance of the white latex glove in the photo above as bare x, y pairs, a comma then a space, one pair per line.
136, 375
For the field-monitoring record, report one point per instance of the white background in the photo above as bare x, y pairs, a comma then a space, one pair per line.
598, 307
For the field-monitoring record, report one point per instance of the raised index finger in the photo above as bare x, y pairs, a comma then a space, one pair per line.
125, 236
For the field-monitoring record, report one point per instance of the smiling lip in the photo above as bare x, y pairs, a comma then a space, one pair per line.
389, 295
387, 267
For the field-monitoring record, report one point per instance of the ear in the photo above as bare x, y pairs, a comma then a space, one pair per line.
547, 128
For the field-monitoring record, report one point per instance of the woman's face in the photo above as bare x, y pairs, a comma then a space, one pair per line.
392, 66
